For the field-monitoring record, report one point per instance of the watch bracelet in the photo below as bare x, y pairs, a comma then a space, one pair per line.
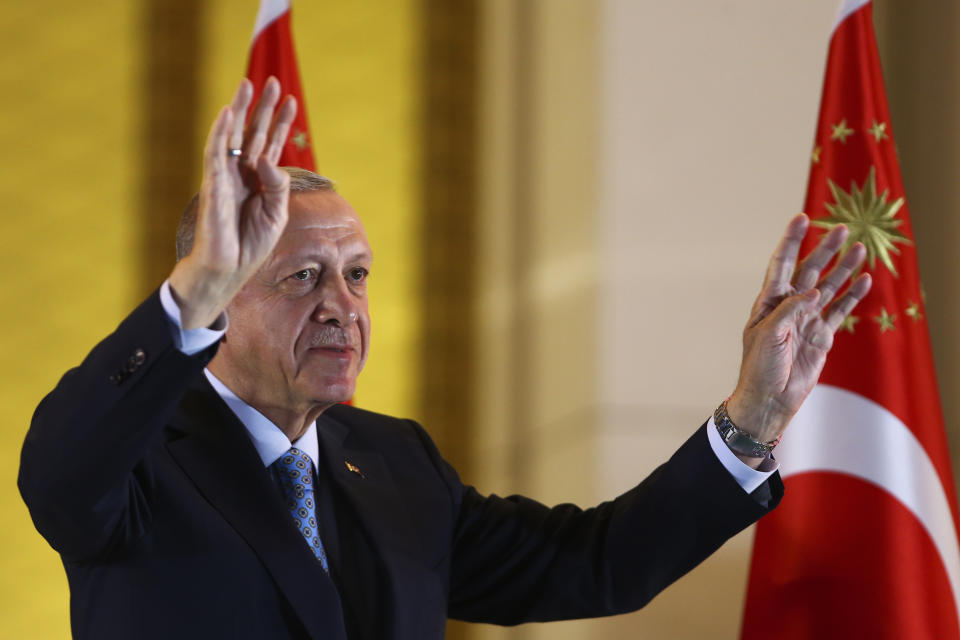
738, 440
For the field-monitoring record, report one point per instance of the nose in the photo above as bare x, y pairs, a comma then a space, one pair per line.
336, 304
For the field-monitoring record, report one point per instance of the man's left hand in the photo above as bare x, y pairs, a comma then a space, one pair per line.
791, 328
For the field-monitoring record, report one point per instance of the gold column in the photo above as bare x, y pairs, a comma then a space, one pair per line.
169, 99
69, 244
536, 298
449, 197
920, 51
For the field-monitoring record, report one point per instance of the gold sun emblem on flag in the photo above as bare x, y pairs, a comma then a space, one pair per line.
870, 218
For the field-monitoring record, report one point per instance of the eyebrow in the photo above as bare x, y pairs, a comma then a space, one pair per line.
362, 256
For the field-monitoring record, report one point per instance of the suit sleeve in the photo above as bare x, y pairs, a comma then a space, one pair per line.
82, 469
515, 560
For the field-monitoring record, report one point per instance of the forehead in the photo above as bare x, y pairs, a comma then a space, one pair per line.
321, 210
320, 216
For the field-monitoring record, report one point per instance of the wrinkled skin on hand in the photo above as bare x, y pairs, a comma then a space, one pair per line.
791, 329
243, 204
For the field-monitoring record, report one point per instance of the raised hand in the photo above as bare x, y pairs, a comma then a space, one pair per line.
791, 329
242, 206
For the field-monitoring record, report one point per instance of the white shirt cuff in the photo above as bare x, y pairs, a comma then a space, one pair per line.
747, 477
189, 341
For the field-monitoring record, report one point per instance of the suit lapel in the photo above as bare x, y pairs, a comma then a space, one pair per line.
223, 464
362, 475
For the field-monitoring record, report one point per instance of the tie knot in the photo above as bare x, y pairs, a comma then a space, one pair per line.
294, 467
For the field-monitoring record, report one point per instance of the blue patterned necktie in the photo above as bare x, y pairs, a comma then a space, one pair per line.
296, 478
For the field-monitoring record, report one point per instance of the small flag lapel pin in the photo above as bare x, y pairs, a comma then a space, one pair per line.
354, 468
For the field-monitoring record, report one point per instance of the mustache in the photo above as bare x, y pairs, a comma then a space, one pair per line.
332, 336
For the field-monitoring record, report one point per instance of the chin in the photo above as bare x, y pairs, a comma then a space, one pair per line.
334, 391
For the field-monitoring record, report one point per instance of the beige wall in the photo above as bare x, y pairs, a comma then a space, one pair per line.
708, 117
921, 56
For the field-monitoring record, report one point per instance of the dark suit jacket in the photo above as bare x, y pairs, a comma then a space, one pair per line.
170, 527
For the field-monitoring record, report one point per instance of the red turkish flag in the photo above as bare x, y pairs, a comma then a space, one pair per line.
272, 54
864, 544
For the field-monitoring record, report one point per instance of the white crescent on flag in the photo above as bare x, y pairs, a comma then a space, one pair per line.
842, 432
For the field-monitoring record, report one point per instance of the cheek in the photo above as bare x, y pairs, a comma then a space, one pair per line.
364, 325
265, 329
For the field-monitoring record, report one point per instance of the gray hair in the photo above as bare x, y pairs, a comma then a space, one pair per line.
301, 180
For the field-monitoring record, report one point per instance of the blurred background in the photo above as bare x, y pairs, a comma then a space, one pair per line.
571, 204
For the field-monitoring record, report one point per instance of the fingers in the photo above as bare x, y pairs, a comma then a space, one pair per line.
267, 123
227, 130
776, 283
832, 282
282, 122
214, 154
239, 105
844, 305
809, 270
255, 138
784, 259
275, 183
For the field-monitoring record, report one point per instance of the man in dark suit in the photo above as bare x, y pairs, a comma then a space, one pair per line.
201, 480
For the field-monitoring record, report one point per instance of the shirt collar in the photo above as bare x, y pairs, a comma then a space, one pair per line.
269, 441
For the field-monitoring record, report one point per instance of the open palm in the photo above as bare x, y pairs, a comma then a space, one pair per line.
243, 199
243, 204
791, 328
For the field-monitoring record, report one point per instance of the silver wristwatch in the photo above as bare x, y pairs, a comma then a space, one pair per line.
740, 441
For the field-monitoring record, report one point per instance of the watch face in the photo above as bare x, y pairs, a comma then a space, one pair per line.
738, 441
727, 430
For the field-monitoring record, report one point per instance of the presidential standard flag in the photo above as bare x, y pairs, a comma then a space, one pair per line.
272, 54
864, 544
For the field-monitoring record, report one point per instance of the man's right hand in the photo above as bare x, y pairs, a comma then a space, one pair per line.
243, 204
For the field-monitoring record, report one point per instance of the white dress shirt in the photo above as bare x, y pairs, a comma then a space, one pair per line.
271, 442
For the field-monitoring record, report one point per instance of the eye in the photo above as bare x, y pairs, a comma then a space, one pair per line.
303, 275
358, 274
